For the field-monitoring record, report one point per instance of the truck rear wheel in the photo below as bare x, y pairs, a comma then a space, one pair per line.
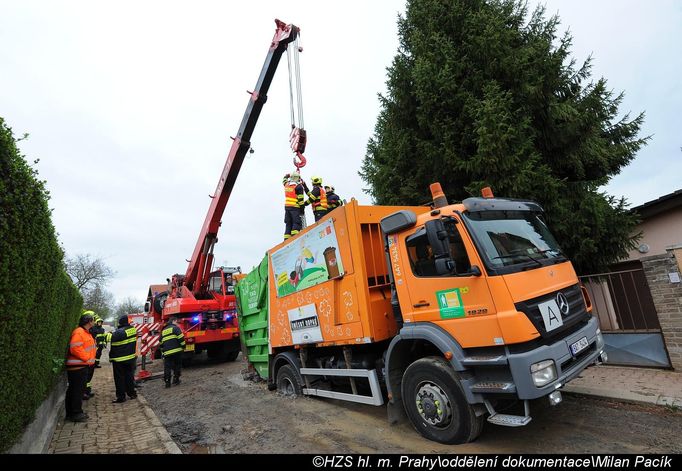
435, 403
289, 382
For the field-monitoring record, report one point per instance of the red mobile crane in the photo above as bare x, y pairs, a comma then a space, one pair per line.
202, 299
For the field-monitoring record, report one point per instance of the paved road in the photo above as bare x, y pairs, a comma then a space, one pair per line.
214, 410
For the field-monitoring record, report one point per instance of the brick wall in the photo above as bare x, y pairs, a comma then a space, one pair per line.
668, 300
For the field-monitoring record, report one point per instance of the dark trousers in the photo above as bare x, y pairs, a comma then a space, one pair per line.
124, 378
74, 392
292, 221
99, 354
88, 383
172, 362
319, 215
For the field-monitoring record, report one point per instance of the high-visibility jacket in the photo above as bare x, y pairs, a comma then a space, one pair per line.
82, 350
333, 200
318, 198
172, 340
98, 334
293, 195
123, 343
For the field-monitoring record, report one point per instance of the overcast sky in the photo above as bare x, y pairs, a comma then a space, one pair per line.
130, 106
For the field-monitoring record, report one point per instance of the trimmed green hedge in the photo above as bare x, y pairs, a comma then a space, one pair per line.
39, 305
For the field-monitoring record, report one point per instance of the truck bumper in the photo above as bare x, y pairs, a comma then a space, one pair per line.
567, 365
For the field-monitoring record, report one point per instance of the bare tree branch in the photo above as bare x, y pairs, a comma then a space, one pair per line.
88, 272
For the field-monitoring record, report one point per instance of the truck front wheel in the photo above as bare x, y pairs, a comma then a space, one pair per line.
435, 402
289, 382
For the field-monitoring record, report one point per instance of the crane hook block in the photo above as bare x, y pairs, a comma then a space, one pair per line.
301, 161
298, 139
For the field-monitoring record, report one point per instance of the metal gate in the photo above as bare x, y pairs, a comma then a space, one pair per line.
622, 302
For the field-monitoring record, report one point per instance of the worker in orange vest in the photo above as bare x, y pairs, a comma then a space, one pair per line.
294, 190
80, 357
318, 198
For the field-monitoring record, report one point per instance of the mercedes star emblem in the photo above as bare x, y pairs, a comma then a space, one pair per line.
562, 302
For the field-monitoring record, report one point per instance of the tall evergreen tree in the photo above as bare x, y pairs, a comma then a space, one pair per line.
483, 93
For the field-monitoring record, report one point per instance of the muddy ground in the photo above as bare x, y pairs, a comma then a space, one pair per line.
215, 411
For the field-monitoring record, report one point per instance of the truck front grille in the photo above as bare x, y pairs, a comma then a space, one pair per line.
576, 317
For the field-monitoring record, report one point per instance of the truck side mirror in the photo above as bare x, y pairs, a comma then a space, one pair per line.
438, 238
146, 306
474, 271
440, 244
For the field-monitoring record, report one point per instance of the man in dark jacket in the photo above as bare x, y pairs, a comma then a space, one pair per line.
97, 333
172, 345
123, 357
333, 200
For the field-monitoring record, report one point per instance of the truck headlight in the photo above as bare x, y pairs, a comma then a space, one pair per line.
543, 372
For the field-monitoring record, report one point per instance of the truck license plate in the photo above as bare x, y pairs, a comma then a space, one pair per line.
190, 347
579, 346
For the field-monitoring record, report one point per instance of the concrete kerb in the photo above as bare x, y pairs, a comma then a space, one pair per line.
160, 430
37, 436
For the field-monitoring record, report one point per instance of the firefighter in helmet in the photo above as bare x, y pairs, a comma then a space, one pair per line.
333, 200
317, 198
294, 191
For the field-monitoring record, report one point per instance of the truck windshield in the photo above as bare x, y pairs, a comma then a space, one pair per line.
516, 239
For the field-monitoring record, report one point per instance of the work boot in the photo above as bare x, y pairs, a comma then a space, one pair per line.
168, 384
77, 418
118, 401
176, 380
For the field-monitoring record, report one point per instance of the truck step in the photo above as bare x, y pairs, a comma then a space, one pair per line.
507, 420
493, 387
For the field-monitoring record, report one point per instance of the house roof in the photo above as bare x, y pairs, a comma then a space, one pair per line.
660, 205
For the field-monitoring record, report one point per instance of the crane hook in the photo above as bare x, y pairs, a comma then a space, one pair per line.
301, 160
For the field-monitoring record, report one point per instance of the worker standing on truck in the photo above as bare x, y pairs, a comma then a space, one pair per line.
123, 357
294, 191
317, 198
172, 346
80, 356
333, 200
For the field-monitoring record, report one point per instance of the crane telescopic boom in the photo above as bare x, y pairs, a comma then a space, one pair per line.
196, 277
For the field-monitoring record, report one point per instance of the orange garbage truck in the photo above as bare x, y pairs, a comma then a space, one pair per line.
448, 314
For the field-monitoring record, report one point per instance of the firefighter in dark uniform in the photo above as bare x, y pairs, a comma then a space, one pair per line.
94, 330
123, 357
317, 198
294, 191
172, 345
98, 332
333, 200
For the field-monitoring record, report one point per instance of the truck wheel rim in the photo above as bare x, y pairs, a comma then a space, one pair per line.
433, 404
287, 387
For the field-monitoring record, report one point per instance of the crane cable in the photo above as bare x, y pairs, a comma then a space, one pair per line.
295, 82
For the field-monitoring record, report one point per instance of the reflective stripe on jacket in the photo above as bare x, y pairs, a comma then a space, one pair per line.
82, 349
123, 343
333, 201
98, 333
293, 195
172, 340
318, 198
